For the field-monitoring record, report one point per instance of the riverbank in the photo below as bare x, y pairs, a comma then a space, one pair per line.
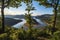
11, 21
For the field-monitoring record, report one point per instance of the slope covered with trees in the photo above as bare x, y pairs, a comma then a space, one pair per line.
47, 33
36, 34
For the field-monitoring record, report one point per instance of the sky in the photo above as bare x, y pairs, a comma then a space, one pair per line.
40, 10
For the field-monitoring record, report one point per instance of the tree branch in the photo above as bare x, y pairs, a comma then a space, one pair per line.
50, 4
7, 3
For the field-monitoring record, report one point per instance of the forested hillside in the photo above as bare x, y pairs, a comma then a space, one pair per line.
58, 21
36, 34
29, 7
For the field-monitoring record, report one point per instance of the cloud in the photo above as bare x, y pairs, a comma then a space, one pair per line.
12, 12
17, 12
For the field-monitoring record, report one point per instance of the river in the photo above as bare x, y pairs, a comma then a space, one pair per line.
20, 24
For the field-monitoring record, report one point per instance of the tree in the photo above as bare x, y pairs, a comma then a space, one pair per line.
7, 3
28, 14
55, 4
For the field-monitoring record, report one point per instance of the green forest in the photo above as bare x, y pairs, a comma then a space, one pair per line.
49, 32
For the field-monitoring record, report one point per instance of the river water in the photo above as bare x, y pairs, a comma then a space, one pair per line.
20, 24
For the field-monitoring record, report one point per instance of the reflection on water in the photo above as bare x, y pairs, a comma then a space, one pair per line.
40, 22
20, 24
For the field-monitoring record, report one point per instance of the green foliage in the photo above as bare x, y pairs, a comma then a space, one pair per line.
11, 3
30, 34
28, 14
58, 18
56, 36
15, 3
28, 19
34, 34
3, 36
48, 3
55, 4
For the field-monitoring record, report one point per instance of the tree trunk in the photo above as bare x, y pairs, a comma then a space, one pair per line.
2, 14
55, 16
54, 22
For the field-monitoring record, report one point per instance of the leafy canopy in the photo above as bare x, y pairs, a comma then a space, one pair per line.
11, 3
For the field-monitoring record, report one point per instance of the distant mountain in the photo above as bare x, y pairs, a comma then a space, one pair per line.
19, 16
9, 16
10, 21
44, 16
14, 16
23, 16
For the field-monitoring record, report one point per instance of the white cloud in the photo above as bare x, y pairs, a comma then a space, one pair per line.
12, 12
16, 12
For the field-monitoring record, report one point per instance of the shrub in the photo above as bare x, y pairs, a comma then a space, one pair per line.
3, 36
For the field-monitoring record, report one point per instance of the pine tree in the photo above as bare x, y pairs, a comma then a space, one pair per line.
28, 17
28, 14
